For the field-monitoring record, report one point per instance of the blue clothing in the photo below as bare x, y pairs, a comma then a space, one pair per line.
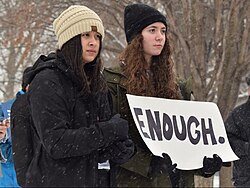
8, 178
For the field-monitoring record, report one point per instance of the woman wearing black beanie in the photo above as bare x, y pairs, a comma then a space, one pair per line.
145, 68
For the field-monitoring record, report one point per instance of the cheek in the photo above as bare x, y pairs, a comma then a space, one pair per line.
98, 45
164, 39
148, 40
83, 44
145, 43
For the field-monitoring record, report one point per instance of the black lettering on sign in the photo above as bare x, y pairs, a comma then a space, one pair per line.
154, 126
206, 131
193, 121
167, 127
138, 111
182, 129
181, 135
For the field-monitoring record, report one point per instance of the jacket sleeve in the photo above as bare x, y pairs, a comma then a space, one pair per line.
52, 121
238, 144
141, 159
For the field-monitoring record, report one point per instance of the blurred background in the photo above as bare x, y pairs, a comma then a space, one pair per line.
210, 42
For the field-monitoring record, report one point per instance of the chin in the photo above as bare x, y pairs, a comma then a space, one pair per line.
88, 61
156, 54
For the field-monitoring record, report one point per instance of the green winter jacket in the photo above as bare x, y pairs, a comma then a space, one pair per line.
134, 173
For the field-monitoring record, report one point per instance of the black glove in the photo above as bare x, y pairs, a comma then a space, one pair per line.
173, 172
115, 129
159, 166
211, 165
119, 152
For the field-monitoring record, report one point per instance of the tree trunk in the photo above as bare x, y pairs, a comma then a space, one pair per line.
199, 181
226, 177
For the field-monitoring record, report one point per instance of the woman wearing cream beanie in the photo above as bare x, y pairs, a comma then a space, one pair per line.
75, 138
74, 21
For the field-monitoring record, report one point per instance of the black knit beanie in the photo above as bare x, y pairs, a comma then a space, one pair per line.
139, 16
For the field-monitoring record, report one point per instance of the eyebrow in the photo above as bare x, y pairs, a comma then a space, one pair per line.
156, 27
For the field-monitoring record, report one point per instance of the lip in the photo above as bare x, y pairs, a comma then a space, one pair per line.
91, 51
158, 45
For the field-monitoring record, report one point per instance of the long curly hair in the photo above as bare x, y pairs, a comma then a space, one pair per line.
89, 75
158, 80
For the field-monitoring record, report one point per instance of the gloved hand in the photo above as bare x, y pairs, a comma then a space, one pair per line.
159, 166
119, 152
173, 172
115, 129
211, 165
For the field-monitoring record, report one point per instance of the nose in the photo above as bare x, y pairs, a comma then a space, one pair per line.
159, 36
92, 41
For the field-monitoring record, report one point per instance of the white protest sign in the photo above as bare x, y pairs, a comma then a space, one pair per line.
185, 130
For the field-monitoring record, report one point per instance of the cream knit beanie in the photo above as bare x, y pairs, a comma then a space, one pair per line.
74, 21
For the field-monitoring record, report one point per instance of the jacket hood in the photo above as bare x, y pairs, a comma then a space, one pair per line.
52, 61
41, 63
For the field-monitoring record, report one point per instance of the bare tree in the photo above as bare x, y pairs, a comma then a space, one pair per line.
211, 45
210, 42
22, 28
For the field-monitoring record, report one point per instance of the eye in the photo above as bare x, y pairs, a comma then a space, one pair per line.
98, 36
163, 30
151, 30
85, 34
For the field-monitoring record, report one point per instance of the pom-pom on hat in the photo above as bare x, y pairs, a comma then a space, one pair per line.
139, 16
74, 21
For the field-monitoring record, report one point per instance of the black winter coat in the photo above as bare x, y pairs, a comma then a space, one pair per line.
68, 131
238, 131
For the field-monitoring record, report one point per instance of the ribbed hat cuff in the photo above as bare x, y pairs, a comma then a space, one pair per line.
78, 28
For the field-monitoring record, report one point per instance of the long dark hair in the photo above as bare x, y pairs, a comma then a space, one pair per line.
89, 75
162, 82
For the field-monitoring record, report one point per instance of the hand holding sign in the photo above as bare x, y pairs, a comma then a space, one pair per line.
164, 166
211, 165
174, 173
186, 130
